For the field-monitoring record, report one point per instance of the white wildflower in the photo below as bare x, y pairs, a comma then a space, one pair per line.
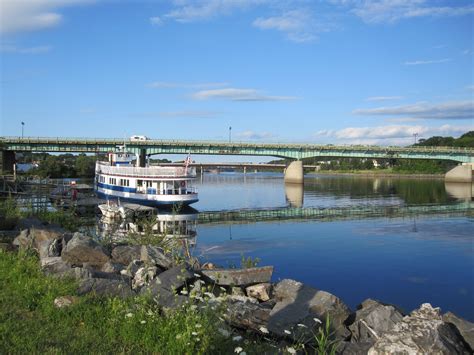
263, 330
198, 325
237, 338
143, 322
291, 350
317, 320
197, 275
184, 292
223, 289
194, 333
301, 325
194, 307
198, 339
178, 336
287, 331
208, 294
238, 350
129, 315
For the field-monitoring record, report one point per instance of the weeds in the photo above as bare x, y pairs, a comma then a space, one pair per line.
325, 344
247, 263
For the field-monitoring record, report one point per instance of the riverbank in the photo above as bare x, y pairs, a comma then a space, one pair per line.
117, 295
378, 173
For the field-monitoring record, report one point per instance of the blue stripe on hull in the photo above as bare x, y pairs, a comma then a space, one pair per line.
145, 202
116, 188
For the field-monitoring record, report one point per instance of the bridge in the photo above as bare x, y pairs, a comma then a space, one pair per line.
294, 172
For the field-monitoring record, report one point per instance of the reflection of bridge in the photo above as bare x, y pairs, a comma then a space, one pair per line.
243, 166
292, 151
330, 214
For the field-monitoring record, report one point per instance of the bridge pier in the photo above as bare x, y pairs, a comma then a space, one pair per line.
7, 161
460, 173
141, 161
294, 173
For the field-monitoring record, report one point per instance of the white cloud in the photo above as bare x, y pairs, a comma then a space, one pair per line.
299, 25
156, 21
432, 61
252, 135
391, 134
199, 10
171, 85
11, 48
30, 15
470, 87
390, 11
234, 94
383, 98
445, 110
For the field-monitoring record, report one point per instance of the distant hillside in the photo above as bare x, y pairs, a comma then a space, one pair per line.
466, 140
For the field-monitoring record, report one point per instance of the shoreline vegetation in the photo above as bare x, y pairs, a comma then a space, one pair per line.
380, 173
62, 291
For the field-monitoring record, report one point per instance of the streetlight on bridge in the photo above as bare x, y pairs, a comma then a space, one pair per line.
22, 127
230, 134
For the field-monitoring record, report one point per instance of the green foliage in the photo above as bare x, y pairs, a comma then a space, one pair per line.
9, 208
325, 344
84, 166
466, 140
29, 322
247, 263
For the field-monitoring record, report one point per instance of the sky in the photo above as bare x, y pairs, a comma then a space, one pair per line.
381, 72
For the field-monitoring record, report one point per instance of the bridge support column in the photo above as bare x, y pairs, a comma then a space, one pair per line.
142, 158
294, 173
245, 170
7, 161
461, 173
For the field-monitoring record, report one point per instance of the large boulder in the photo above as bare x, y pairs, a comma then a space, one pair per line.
153, 255
261, 292
49, 248
422, 332
239, 277
372, 319
171, 280
144, 276
46, 234
83, 249
297, 303
125, 254
56, 266
24, 240
465, 328
105, 287
247, 315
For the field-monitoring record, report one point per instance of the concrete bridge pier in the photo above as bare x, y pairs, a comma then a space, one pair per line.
460, 173
141, 161
294, 173
7, 161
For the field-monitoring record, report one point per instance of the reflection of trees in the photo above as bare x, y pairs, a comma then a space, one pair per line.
412, 191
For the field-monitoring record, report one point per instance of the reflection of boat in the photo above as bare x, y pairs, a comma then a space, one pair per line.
113, 209
150, 185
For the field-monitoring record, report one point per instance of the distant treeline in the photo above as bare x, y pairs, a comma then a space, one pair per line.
409, 166
66, 165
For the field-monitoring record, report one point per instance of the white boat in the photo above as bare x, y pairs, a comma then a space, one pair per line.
114, 210
149, 185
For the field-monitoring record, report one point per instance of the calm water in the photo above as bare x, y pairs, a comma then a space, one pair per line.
405, 261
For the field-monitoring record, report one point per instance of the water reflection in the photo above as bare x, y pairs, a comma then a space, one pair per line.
294, 194
460, 190
154, 225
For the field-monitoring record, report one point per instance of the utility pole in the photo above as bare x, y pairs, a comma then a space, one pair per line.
22, 126
230, 134
415, 135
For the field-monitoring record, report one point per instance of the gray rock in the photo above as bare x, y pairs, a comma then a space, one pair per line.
144, 276
132, 268
105, 287
125, 254
260, 291
239, 277
49, 248
45, 233
83, 249
65, 301
56, 266
237, 291
169, 300
112, 267
372, 319
8, 236
152, 255
465, 328
172, 279
31, 222
297, 303
24, 240
247, 315
422, 332
348, 348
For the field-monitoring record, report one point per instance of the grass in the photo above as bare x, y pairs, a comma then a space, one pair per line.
29, 322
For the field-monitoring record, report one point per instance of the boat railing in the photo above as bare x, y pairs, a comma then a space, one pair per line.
150, 171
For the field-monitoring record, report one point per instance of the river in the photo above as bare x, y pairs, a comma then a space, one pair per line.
404, 260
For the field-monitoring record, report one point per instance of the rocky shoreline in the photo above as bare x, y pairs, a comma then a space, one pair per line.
287, 310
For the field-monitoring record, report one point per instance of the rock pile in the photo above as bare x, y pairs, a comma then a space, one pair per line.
288, 310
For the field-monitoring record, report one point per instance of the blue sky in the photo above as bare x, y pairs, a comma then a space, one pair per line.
322, 71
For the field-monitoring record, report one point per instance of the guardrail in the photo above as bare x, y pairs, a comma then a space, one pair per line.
151, 171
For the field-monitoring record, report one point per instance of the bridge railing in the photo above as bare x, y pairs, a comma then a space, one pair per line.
242, 144
150, 171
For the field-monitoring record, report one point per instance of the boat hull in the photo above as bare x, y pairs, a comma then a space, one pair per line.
149, 200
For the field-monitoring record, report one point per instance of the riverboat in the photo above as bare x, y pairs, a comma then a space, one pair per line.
150, 185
